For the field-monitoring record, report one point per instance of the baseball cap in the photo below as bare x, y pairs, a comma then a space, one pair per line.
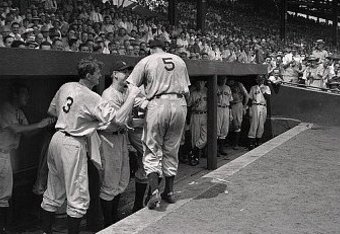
156, 43
121, 66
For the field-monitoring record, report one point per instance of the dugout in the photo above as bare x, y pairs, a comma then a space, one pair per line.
45, 71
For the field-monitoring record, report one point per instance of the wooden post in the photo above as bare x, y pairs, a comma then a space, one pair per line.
212, 123
201, 14
283, 19
335, 23
172, 12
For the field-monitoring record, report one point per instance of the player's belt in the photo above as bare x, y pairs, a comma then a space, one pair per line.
199, 112
5, 151
169, 96
223, 106
234, 103
259, 104
120, 132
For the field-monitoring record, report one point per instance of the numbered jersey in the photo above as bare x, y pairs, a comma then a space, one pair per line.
80, 111
161, 73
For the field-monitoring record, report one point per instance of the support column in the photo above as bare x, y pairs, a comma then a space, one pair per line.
172, 12
201, 14
335, 23
212, 123
283, 19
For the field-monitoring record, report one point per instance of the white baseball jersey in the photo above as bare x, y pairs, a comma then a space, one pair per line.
9, 115
224, 95
80, 111
256, 93
161, 73
198, 100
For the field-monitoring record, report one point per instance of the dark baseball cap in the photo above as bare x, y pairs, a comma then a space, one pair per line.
156, 43
121, 66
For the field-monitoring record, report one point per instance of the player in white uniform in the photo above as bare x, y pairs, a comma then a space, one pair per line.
224, 116
13, 124
166, 78
115, 155
198, 121
80, 113
258, 111
238, 108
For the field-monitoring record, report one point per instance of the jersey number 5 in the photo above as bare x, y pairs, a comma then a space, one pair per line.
67, 107
169, 64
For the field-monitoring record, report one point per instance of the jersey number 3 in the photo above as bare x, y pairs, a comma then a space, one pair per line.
169, 64
67, 107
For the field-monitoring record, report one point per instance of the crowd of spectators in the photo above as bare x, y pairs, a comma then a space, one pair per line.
234, 33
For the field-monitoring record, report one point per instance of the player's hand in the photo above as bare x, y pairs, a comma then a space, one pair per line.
144, 105
133, 90
47, 121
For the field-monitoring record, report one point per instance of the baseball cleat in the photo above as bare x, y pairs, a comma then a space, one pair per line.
154, 201
169, 197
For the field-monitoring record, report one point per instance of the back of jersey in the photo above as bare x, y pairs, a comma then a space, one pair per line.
165, 73
74, 105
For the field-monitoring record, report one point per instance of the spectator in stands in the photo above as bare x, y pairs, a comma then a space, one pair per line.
8, 40
319, 52
313, 73
57, 45
45, 45
18, 44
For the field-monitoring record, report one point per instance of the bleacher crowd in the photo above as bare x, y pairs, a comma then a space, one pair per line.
233, 34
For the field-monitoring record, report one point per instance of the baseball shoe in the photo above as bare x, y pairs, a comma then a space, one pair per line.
169, 197
155, 200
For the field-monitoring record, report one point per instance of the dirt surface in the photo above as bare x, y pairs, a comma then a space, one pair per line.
292, 189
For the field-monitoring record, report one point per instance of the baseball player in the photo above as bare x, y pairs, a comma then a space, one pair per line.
135, 137
115, 155
13, 124
223, 113
198, 121
258, 111
166, 80
80, 113
238, 108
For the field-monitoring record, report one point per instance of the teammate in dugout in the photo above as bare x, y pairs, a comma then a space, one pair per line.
166, 78
13, 123
115, 155
80, 113
198, 121
258, 111
238, 109
224, 115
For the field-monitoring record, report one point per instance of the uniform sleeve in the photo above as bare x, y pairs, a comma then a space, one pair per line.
138, 73
105, 113
251, 93
52, 110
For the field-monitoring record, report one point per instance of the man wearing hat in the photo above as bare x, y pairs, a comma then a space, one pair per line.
319, 52
115, 155
313, 73
166, 80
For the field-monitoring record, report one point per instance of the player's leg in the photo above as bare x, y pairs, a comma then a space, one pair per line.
262, 120
172, 140
153, 133
75, 169
254, 123
141, 180
55, 194
237, 113
6, 187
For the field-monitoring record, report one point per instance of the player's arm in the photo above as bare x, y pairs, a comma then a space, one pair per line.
138, 73
52, 110
245, 93
106, 113
18, 128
